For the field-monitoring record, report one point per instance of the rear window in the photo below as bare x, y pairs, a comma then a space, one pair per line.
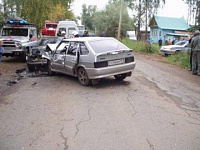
106, 45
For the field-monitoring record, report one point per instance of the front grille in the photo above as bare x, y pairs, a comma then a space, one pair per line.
9, 46
8, 42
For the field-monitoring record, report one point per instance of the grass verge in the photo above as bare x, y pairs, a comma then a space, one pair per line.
181, 59
141, 46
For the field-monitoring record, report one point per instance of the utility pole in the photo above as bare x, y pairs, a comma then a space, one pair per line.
120, 20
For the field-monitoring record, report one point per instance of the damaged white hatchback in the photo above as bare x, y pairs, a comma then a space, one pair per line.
91, 58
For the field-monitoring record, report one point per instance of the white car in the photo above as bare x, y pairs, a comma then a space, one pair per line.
173, 49
91, 58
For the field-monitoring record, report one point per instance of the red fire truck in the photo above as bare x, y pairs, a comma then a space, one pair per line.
49, 28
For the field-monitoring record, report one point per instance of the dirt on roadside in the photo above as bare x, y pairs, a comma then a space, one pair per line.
7, 69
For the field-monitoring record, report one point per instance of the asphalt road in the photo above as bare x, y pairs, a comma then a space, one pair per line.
157, 108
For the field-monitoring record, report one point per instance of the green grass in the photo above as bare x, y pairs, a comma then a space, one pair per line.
181, 59
140, 46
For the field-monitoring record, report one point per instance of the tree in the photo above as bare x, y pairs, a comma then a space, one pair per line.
108, 19
37, 11
194, 12
87, 15
144, 9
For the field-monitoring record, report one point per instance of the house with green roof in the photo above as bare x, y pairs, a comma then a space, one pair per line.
168, 28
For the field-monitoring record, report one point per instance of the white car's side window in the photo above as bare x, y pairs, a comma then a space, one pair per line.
83, 49
73, 47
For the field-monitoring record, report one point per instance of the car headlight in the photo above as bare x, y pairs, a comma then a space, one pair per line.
19, 45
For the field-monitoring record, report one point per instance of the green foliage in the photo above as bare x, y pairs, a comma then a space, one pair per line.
37, 11
144, 10
141, 46
194, 13
108, 20
181, 59
87, 16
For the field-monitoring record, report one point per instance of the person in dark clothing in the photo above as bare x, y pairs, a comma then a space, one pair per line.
1, 51
190, 40
195, 48
85, 34
174, 41
160, 42
166, 42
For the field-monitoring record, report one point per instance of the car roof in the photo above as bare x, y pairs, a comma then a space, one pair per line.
83, 39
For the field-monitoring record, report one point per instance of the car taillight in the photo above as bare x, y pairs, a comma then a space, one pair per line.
101, 64
129, 59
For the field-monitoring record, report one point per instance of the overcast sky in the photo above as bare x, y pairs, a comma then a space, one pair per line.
172, 8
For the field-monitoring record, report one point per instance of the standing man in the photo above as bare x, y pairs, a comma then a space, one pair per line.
160, 42
190, 40
1, 51
63, 34
195, 48
169, 42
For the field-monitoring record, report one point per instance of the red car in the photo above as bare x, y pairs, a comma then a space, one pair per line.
49, 28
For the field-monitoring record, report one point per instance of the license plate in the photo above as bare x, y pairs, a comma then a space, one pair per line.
8, 51
116, 62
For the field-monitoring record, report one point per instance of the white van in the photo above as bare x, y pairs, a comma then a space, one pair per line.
68, 27
131, 35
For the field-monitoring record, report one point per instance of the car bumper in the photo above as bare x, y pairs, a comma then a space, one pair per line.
96, 73
39, 65
16, 52
168, 52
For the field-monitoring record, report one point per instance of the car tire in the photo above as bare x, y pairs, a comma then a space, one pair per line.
49, 71
177, 52
23, 57
166, 55
120, 77
83, 77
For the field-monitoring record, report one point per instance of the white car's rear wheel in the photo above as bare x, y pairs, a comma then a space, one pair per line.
83, 77
120, 77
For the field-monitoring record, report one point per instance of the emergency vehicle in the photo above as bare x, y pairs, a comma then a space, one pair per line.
49, 28
18, 36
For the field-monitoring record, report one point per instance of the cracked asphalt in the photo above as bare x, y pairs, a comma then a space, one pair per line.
157, 108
